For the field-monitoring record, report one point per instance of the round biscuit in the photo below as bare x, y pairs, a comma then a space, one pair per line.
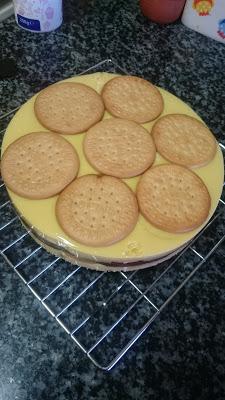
68, 107
39, 165
97, 210
132, 98
119, 148
184, 140
173, 198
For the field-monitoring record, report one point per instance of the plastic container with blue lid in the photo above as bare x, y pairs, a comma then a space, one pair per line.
38, 15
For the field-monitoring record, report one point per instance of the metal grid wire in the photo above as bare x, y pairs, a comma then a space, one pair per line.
104, 313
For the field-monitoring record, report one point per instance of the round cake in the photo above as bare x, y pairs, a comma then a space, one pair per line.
145, 244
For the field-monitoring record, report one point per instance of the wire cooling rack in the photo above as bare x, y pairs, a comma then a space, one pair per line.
104, 313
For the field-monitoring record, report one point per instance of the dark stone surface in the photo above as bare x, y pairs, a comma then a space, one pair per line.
182, 355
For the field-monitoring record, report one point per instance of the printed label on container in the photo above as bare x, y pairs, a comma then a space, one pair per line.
206, 17
28, 23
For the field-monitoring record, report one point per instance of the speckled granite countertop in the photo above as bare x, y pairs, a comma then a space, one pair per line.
183, 356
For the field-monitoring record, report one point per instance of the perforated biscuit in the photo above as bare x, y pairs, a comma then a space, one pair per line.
184, 140
97, 210
132, 98
119, 148
68, 107
39, 165
173, 198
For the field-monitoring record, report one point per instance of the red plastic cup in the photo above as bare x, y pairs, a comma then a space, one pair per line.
162, 11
